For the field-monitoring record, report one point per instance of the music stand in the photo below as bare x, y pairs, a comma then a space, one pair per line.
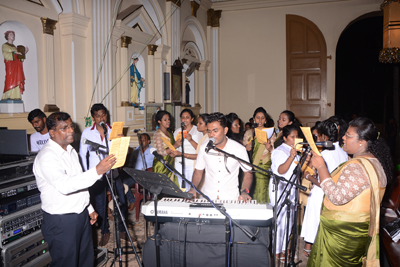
156, 183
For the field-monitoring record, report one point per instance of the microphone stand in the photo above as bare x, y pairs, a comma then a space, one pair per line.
288, 203
183, 158
118, 250
221, 209
276, 178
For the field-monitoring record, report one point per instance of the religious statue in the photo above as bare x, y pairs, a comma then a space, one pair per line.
137, 82
13, 57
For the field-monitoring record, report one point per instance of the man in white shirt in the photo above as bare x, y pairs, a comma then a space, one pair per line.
221, 177
136, 161
67, 213
89, 159
38, 120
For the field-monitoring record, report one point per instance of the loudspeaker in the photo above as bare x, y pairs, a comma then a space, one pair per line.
204, 245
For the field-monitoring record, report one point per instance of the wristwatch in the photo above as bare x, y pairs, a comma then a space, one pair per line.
245, 191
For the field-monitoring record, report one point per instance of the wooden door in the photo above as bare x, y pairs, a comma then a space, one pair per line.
306, 70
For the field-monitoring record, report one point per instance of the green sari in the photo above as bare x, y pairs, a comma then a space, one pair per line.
261, 179
350, 238
158, 167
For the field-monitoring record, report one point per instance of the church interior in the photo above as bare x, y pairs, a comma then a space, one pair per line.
205, 55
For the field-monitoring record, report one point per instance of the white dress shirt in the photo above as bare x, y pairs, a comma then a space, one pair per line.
60, 180
219, 183
93, 135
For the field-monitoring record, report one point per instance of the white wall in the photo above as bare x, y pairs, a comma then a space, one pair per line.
253, 52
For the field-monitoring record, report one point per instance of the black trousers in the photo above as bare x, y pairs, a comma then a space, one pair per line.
70, 239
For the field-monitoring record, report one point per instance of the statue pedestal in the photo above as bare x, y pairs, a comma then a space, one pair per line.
11, 106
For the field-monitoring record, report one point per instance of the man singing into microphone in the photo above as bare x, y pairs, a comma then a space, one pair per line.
89, 159
67, 213
221, 177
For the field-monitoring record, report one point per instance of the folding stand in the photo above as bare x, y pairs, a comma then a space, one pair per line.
156, 183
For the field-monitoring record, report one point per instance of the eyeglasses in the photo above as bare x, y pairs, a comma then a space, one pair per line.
65, 128
350, 136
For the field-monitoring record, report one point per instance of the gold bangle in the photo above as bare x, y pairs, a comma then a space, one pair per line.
320, 167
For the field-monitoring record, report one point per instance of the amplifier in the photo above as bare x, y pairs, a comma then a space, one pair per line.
16, 170
19, 202
17, 186
20, 224
24, 250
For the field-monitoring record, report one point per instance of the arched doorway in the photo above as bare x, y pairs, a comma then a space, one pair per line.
306, 70
364, 86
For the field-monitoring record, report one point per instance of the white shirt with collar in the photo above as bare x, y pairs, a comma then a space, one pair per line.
219, 183
60, 180
93, 135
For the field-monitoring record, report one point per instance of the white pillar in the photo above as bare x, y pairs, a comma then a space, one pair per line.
49, 83
160, 66
150, 74
125, 80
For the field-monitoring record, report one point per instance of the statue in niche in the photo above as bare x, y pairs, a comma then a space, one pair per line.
13, 57
137, 82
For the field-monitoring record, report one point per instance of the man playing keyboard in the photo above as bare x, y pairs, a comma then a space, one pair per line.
221, 174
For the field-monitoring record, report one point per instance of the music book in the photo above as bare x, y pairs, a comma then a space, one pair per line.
116, 130
119, 147
308, 135
168, 143
264, 134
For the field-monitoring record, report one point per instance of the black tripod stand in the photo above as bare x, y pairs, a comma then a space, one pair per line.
286, 202
117, 214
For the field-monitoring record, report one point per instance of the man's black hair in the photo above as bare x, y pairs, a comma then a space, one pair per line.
97, 107
36, 113
54, 118
217, 116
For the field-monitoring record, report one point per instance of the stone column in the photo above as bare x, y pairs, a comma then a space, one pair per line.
75, 68
213, 17
125, 81
150, 74
49, 26
203, 85
160, 66
197, 85
173, 26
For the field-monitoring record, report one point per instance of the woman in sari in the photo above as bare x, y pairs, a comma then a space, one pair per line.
163, 119
261, 157
349, 226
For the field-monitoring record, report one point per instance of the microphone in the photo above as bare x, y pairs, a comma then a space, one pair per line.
158, 156
327, 144
210, 144
102, 124
255, 125
183, 125
92, 144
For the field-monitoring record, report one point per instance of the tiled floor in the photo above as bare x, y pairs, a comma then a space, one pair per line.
129, 259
